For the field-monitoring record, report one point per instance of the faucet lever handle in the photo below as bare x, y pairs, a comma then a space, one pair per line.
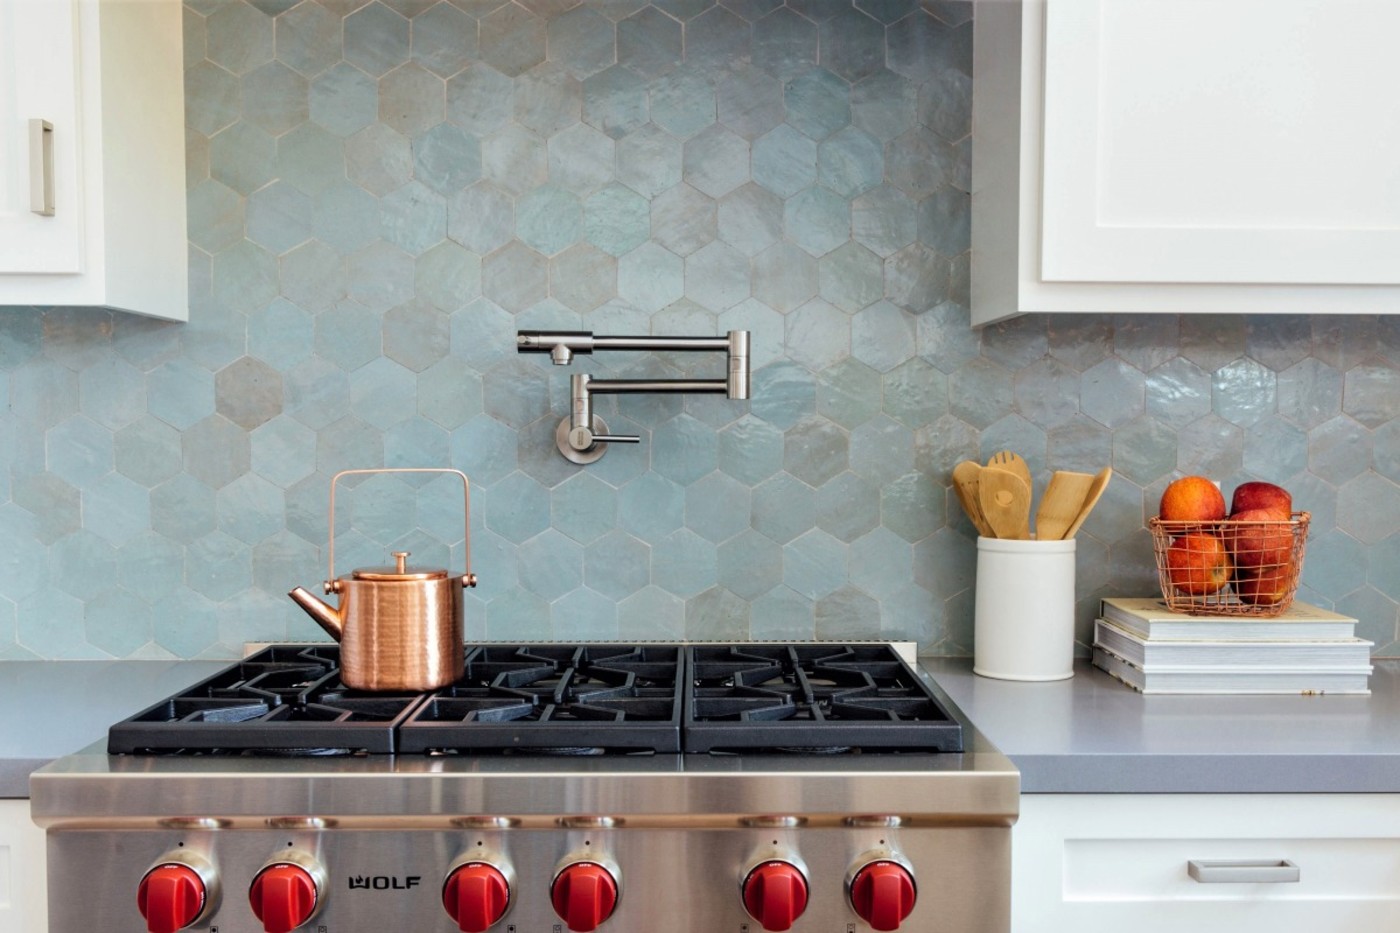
616, 439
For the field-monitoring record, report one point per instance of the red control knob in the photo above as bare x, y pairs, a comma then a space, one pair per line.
283, 897
775, 894
171, 897
584, 895
882, 894
476, 896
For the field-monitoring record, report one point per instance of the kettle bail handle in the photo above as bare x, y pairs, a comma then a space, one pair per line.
468, 578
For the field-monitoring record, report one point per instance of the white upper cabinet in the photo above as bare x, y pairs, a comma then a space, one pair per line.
92, 176
1185, 156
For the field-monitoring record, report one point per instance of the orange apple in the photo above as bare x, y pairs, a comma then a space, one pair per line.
1191, 499
1265, 588
1198, 564
1260, 495
1259, 539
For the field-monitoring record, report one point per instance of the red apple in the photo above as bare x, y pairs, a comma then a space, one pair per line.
1191, 499
1259, 495
1198, 564
1265, 588
1259, 539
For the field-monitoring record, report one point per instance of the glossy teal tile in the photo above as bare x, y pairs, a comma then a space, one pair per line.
248, 392
852, 44
651, 613
784, 43
683, 102
514, 159
512, 39
376, 39
717, 507
750, 565
684, 564
1112, 392
717, 276
817, 219
617, 220
147, 451
615, 102
238, 37
784, 161
650, 278
444, 40
480, 99
481, 218
616, 565
649, 42
749, 101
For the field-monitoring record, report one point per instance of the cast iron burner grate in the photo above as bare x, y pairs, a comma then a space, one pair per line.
812, 697
555, 698
561, 700
282, 700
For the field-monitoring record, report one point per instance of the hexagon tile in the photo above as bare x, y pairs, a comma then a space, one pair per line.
380, 192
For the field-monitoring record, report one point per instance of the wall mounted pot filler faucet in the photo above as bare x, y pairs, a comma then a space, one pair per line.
583, 437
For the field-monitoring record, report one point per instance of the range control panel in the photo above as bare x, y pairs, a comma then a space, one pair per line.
740, 880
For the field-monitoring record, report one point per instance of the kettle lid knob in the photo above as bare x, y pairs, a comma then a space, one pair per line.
400, 561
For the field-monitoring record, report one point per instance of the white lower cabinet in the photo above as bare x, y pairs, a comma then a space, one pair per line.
23, 899
1090, 862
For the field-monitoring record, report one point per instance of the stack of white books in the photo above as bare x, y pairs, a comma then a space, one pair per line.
1303, 650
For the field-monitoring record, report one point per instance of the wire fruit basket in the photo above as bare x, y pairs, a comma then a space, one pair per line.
1230, 568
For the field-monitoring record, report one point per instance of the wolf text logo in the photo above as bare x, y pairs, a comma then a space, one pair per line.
384, 882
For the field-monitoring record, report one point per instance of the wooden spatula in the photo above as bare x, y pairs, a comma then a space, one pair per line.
1061, 503
1091, 499
1012, 462
965, 483
1006, 503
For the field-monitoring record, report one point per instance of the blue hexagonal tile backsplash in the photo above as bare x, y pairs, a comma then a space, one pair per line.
381, 193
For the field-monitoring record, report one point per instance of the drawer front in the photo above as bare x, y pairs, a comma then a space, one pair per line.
23, 905
1095, 862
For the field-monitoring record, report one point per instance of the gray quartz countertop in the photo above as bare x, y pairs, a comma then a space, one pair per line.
51, 708
1091, 734
1088, 734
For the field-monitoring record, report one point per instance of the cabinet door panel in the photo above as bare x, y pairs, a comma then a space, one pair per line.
39, 80
1221, 141
1106, 863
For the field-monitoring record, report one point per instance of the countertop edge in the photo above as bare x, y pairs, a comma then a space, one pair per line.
1207, 774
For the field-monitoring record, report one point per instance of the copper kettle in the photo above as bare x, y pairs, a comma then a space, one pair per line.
399, 627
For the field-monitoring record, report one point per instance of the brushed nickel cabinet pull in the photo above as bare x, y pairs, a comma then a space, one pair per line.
1244, 871
41, 199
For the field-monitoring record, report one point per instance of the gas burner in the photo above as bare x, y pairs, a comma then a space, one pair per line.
828, 699
283, 700
548, 697
560, 700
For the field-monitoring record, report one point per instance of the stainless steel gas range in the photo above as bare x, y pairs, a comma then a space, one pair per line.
716, 788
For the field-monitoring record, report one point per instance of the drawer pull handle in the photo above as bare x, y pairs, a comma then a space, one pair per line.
1243, 871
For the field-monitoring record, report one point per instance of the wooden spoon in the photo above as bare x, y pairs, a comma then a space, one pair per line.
1090, 500
1012, 462
1061, 503
1006, 503
965, 484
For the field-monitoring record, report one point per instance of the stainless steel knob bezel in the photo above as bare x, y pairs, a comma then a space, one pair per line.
208, 876
304, 860
483, 856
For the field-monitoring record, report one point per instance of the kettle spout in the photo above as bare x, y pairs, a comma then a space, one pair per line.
325, 615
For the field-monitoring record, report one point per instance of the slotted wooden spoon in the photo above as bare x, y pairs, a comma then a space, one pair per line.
1061, 503
1091, 499
1012, 462
966, 478
1006, 503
